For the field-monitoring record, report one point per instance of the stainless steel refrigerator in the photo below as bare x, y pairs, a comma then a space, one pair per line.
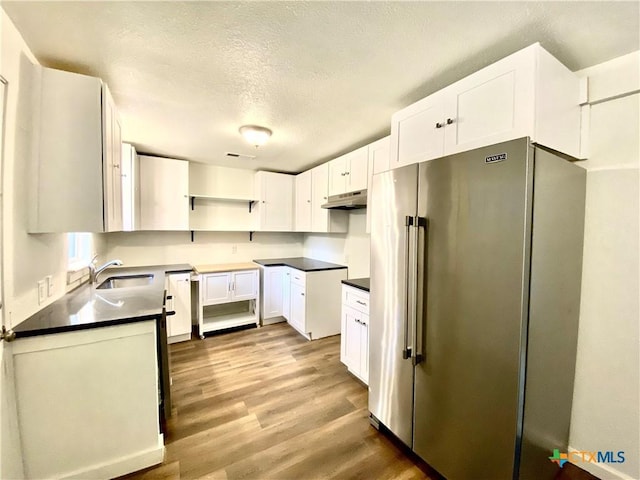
476, 265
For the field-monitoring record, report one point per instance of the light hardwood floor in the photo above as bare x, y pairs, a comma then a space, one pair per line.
267, 404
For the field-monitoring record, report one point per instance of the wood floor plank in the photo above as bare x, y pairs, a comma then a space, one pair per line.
268, 404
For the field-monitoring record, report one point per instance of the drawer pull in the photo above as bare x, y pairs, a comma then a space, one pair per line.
361, 303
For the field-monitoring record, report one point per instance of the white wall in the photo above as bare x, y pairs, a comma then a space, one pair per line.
351, 248
606, 402
153, 248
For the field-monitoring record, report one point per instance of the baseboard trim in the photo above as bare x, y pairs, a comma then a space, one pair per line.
179, 338
272, 320
600, 470
121, 466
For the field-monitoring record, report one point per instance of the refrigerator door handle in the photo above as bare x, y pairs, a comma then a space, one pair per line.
406, 349
421, 224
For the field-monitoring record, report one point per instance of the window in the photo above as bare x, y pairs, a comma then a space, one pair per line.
79, 250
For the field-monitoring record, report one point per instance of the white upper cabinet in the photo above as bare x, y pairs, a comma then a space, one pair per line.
529, 93
274, 208
348, 173
130, 167
303, 207
164, 198
75, 170
378, 162
322, 219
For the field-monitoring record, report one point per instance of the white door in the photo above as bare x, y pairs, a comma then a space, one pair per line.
417, 132
273, 291
245, 285
351, 342
358, 162
164, 198
337, 175
319, 194
180, 289
286, 293
303, 202
298, 307
10, 451
491, 106
216, 288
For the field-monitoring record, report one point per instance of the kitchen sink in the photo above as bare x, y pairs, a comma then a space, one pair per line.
127, 281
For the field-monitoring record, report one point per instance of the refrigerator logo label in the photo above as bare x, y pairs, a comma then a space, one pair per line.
495, 158
591, 457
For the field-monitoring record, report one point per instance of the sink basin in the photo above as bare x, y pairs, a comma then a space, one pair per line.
127, 281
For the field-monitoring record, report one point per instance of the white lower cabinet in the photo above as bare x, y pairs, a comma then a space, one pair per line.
315, 302
178, 286
272, 290
228, 299
354, 341
87, 401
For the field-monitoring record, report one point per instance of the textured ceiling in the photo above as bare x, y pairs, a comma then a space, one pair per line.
324, 76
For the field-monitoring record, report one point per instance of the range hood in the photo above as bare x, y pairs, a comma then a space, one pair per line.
347, 201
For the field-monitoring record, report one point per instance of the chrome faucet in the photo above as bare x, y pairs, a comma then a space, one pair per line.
95, 271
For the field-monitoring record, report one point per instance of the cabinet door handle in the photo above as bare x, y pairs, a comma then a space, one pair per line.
450, 121
302, 294
347, 173
439, 125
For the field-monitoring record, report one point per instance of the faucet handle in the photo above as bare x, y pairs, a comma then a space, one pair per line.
93, 260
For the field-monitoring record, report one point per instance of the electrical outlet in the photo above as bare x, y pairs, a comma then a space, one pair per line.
234, 249
49, 279
42, 291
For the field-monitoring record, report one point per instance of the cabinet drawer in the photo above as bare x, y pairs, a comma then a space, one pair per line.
298, 277
356, 299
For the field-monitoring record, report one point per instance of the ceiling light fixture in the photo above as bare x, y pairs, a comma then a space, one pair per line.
255, 135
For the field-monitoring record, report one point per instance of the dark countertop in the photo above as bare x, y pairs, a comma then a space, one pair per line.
361, 283
300, 263
87, 307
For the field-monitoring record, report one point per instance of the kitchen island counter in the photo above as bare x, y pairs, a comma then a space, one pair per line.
303, 264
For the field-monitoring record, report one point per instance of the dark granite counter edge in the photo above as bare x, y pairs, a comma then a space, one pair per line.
322, 269
85, 326
355, 285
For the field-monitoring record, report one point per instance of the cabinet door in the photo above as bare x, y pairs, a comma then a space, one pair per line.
273, 292
490, 106
276, 201
164, 198
245, 285
112, 172
286, 293
216, 288
180, 289
417, 132
337, 175
303, 202
320, 194
298, 307
358, 162
364, 348
350, 340
378, 162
